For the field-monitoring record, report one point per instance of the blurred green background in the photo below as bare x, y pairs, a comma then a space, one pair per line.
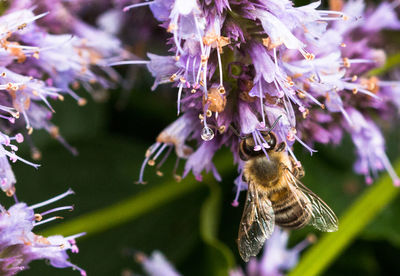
195, 228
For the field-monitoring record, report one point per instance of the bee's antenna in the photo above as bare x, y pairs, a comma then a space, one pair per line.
241, 137
274, 124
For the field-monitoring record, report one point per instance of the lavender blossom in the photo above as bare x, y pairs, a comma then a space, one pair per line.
156, 264
276, 258
37, 67
19, 245
246, 63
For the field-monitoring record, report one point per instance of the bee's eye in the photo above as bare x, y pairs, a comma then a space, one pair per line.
271, 140
250, 142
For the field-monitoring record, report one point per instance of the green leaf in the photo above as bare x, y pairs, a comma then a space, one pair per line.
219, 256
363, 211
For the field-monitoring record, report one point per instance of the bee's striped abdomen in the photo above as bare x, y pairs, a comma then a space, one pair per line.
289, 213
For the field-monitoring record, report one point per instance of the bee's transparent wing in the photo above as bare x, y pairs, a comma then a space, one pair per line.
257, 223
322, 217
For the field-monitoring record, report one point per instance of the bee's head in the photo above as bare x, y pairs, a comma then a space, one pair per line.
248, 148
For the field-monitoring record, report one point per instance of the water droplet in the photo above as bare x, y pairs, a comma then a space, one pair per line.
207, 134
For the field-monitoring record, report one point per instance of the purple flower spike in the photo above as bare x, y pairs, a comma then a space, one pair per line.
238, 66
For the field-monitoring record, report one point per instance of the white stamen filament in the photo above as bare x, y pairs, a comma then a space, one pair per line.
125, 62
51, 200
70, 208
127, 8
45, 221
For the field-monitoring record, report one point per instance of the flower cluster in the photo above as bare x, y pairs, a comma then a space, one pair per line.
37, 67
19, 245
43, 59
244, 64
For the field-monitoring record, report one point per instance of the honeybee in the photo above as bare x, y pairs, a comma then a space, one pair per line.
275, 195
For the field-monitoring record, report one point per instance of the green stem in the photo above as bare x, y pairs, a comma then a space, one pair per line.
391, 62
220, 258
364, 210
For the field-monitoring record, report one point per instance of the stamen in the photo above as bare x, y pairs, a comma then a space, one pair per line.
127, 8
149, 153
305, 145
179, 98
70, 208
126, 62
46, 221
261, 102
51, 200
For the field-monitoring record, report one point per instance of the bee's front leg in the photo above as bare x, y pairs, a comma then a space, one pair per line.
298, 170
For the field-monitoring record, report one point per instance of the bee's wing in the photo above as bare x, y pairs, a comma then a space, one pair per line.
257, 223
322, 217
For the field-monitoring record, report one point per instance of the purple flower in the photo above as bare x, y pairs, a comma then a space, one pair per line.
37, 67
276, 258
156, 264
19, 245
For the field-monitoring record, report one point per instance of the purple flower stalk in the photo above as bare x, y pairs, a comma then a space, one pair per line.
19, 245
243, 64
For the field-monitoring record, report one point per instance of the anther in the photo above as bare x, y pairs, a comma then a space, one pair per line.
177, 178
208, 113
159, 173
346, 62
82, 101
151, 162
38, 217
172, 78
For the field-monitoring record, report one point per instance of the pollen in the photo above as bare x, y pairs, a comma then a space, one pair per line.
215, 99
